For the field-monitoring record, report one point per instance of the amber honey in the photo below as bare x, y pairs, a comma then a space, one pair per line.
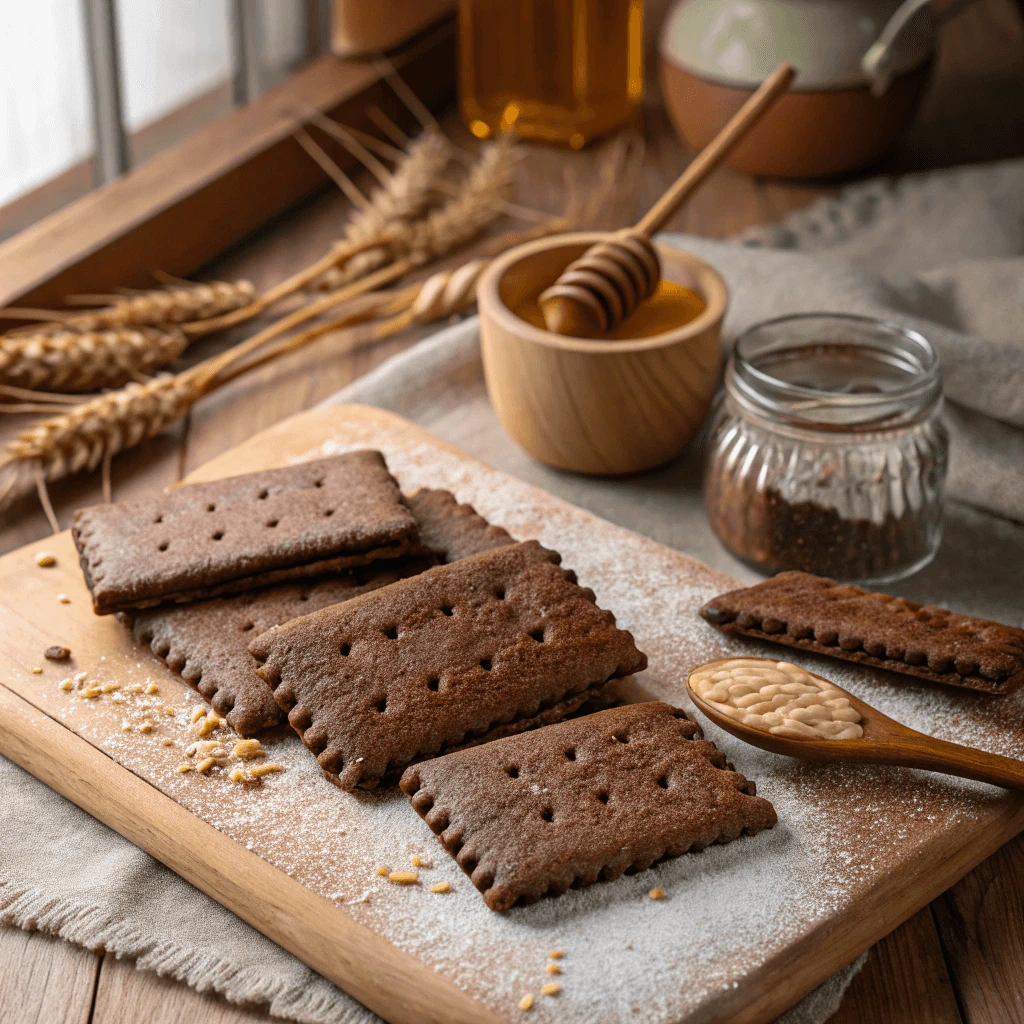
560, 71
670, 306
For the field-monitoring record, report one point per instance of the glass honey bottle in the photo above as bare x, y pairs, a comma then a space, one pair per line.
561, 71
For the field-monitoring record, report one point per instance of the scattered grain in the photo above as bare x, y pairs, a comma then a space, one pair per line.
403, 877
264, 769
382, 870
556, 954
36, 670
415, 861
657, 894
152, 688
197, 712
526, 1002
551, 989
205, 765
44, 559
440, 887
167, 742
146, 726
66, 684
64, 599
110, 687
184, 767
90, 692
57, 653
553, 969
246, 749
237, 775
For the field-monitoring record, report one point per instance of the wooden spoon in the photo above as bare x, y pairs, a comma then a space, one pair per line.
884, 742
599, 290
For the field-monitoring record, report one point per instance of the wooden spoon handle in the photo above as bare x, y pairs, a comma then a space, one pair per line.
920, 751
717, 149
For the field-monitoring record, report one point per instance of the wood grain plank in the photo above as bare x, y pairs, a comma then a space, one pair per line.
126, 994
905, 979
44, 980
392, 983
981, 924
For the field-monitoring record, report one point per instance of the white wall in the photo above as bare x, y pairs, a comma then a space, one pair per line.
171, 51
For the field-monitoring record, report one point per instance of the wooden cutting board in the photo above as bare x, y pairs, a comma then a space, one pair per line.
745, 929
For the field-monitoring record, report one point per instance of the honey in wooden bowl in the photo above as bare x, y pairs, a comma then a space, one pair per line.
672, 305
625, 402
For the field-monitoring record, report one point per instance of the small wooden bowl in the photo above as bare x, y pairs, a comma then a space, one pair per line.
592, 406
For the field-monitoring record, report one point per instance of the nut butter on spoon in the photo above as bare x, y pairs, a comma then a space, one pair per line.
781, 707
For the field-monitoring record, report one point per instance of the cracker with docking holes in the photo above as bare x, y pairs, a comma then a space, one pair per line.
811, 613
242, 532
208, 641
440, 659
583, 801
453, 531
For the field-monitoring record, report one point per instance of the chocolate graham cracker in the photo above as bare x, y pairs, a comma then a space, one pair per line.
815, 614
583, 801
453, 531
231, 535
433, 661
208, 641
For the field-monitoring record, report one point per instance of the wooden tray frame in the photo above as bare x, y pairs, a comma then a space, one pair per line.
394, 984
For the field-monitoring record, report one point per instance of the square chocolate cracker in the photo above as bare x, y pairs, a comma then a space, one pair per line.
583, 801
207, 642
812, 613
231, 535
433, 661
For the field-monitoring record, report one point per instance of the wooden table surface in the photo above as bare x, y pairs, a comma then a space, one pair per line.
958, 961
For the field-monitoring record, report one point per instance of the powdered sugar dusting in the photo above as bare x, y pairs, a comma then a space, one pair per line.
728, 911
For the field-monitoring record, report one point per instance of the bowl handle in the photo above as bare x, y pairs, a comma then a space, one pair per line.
879, 61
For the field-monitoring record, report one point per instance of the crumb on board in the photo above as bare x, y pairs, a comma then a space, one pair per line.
57, 652
526, 1002
552, 988
64, 599
66, 684
556, 954
657, 894
382, 870
44, 559
553, 969
152, 689
36, 670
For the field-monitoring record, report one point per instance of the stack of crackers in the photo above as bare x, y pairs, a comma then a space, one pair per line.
407, 639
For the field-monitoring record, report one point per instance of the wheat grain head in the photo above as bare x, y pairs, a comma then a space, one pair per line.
81, 361
175, 305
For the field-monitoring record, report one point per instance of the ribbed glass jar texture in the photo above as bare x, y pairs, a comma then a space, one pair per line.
826, 451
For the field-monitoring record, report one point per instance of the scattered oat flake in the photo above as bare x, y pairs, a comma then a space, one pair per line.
526, 1002
552, 988
44, 559
657, 894
264, 769
440, 887
186, 767
205, 765
66, 684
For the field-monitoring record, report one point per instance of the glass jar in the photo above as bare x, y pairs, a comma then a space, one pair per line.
826, 451
563, 71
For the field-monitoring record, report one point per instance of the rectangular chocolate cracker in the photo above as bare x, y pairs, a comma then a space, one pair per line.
583, 801
433, 661
232, 535
453, 531
208, 641
797, 609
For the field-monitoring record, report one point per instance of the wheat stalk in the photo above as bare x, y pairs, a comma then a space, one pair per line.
177, 305
77, 361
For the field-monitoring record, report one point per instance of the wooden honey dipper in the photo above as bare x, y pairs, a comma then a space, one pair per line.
600, 289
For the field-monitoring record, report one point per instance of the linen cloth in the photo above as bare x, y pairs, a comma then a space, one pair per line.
941, 252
